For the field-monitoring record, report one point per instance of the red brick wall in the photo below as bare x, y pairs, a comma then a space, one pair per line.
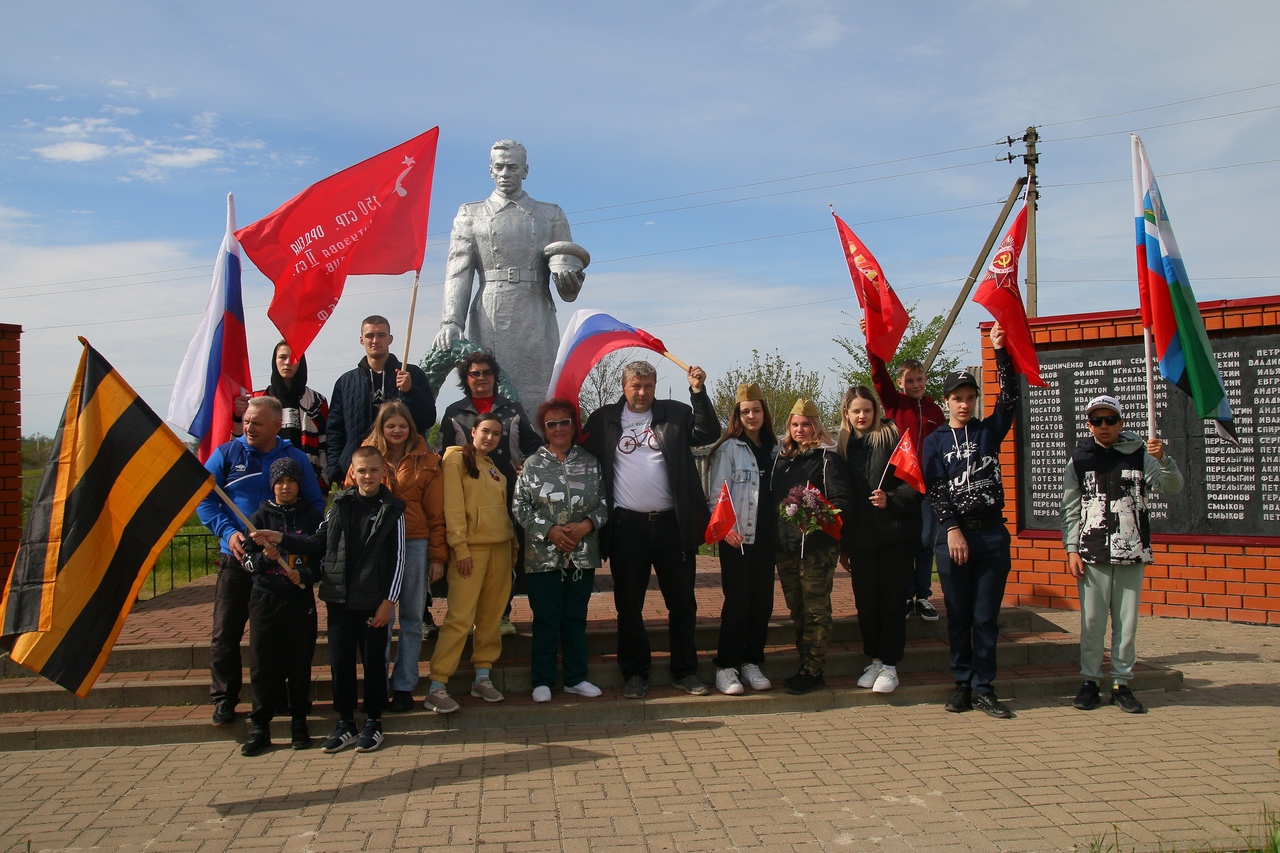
10, 448
1235, 582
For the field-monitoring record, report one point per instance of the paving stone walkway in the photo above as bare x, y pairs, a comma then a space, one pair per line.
1197, 771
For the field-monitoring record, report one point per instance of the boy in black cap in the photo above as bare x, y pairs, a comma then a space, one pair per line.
962, 471
282, 612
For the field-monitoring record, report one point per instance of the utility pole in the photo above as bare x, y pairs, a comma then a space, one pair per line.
1031, 158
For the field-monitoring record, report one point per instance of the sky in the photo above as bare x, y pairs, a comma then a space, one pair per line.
695, 147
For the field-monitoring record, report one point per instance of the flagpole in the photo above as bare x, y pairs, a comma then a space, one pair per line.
856, 292
248, 526
413, 304
742, 546
1151, 383
973, 273
680, 364
887, 464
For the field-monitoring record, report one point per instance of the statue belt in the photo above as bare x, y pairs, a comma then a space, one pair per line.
514, 275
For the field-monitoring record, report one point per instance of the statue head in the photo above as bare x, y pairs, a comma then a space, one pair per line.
508, 166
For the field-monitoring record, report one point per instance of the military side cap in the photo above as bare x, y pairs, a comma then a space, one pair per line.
808, 408
749, 391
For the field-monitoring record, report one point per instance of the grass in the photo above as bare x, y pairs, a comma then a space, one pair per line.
1259, 838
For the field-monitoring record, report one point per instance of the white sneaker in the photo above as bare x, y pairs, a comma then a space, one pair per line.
583, 688
755, 679
886, 681
727, 682
870, 674
542, 693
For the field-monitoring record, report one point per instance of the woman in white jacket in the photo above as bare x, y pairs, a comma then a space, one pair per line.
743, 458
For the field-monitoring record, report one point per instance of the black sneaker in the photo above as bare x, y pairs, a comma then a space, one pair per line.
1121, 695
371, 738
259, 742
911, 608
299, 734
343, 736
224, 713
961, 700
991, 706
926, 610
401, 701
636, 687
1087, 699
804, 681
430, 630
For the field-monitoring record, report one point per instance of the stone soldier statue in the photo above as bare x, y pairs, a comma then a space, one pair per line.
515, 247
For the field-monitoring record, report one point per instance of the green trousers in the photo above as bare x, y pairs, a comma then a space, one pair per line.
559, 607
806, 586
1109, 590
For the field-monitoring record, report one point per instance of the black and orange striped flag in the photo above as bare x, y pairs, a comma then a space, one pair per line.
118, 486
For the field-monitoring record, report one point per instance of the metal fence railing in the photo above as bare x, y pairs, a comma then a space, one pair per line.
187, 557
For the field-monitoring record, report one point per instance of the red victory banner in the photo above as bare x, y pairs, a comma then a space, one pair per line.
369, 219
999, 294
906, 464
886, 318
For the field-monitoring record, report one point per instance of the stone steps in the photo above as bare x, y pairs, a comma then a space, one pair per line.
158, 693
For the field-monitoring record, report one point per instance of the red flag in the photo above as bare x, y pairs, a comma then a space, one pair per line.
370, 219
999, 294
906, 463
723, 518
886, 318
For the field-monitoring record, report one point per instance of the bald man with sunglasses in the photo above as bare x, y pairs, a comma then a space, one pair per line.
1107, 534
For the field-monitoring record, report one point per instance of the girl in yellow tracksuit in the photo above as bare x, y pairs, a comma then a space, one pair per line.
481, 549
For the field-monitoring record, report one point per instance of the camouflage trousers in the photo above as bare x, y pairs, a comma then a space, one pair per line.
806, 586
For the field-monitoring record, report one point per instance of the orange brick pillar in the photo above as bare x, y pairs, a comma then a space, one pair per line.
10, 447
1232, 575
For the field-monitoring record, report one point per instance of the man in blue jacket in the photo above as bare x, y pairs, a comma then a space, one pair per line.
240, 468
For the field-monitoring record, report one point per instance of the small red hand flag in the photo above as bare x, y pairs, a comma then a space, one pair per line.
906, 463
886, 318
723, 518
369, 219
999, 294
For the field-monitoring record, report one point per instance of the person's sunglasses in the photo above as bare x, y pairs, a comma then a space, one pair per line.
1099, 420
479, 374
564, 422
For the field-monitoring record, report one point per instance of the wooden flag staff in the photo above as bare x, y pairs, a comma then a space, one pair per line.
408, 332
245, 521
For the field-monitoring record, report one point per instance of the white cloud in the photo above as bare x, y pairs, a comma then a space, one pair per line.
41, 87
183, 158
74, 152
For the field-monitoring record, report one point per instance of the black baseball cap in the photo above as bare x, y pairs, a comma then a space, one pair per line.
958, 379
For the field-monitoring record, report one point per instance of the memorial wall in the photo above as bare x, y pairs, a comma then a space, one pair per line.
1217, 544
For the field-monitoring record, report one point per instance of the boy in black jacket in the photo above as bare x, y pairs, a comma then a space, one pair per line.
282, 612
362, 541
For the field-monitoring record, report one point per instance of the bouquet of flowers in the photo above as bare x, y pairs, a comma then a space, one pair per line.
808, 510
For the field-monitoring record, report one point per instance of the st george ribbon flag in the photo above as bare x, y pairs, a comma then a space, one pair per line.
369, 219
885, 317
999, 294
1169, 308
215, 369
118, 486
589, 337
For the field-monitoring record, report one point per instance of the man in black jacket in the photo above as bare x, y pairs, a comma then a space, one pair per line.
378, 378
657, 514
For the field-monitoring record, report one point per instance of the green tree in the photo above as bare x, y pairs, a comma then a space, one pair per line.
780, 383
916, 344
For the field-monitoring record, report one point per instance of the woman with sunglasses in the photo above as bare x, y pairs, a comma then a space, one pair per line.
478, 376
559, 502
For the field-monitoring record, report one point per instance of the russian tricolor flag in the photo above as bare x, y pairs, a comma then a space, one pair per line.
589, 337
215, 369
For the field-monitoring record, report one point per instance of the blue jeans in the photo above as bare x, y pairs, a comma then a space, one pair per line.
413, 598
920, 582
973, 593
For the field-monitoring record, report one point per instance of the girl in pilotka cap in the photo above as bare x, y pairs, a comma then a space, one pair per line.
807, 561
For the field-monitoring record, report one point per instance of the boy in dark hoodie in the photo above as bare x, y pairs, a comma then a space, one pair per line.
282, 612
362, 542
1107, 534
